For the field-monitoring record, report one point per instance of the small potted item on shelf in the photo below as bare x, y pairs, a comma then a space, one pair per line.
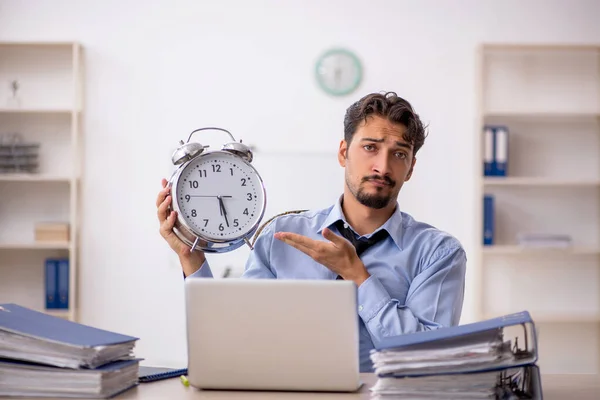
52, 232
16, 155
14, 100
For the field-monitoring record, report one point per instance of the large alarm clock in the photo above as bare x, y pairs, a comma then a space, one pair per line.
219, 197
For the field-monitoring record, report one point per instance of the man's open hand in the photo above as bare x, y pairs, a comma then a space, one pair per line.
337, 254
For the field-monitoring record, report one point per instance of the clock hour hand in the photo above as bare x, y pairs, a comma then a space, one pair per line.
222, 207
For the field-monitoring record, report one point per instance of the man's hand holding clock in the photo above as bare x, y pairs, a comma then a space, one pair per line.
190, 261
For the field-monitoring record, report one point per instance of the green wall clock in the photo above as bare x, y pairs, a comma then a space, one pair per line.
338, 72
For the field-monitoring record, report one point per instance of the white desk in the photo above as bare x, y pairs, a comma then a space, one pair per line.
555, 387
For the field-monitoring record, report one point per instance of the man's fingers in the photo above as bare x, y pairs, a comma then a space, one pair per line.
162, 195
290, 237
166, 226
296, 242
332, 237
163, 209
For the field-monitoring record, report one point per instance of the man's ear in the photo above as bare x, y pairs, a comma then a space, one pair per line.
343, 153
410, 171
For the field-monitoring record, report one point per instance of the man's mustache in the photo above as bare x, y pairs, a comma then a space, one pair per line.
386, 179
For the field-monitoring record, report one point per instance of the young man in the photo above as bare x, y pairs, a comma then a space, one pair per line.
410, 278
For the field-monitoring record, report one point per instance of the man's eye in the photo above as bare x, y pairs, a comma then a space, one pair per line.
369, 147
401, 155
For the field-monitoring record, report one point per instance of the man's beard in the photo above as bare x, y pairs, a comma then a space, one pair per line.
376, 201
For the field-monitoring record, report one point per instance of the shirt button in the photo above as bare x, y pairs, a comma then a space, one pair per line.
360, 308
346, 226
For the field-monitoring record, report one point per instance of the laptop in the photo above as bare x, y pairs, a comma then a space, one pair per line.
272, 334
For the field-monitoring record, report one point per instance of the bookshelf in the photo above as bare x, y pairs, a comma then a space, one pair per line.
548, 96
46, 110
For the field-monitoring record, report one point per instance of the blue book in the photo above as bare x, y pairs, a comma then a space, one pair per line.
488, 220
50, 277
62, 283
27, 334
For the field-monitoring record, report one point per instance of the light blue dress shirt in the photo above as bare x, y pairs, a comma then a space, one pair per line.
417, 273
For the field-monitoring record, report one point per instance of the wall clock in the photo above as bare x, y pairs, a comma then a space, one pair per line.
338, 72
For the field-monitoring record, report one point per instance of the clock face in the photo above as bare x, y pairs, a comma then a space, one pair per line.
220, 196
338, 72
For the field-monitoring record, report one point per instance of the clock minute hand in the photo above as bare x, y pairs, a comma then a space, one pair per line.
199, 195
223, 211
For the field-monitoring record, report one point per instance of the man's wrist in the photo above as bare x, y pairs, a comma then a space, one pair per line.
358, 274
191, 264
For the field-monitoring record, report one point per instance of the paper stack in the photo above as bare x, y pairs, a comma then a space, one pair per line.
46, 356
472, 361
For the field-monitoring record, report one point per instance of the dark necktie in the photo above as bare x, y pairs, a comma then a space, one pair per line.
360, 244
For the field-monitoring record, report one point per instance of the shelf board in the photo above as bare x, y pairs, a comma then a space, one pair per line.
37, 44
516, 249
37, 110
24, 177
35, 245
541, 115
533, 181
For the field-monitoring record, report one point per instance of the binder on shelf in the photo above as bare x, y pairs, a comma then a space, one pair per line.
488, 220
488, 151
478, 356
501, 150
62, 283
50, 278
495, 150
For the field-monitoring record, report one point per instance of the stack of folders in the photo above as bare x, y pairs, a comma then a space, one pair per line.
472, 361
46, 356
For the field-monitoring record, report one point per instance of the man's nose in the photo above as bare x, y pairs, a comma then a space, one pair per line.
382, 164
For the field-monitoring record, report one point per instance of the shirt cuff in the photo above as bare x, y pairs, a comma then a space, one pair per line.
203, 272
372, 296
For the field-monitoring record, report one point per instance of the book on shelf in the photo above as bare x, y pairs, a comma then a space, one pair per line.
47, 356
474, 360
56, 275
488, 220
551, 240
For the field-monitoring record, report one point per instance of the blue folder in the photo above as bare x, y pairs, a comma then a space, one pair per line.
520, 364
55, 341
525, 335
27, 322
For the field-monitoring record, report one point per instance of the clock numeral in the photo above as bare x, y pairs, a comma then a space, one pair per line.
249, 196
205, 223
221, 227
187, 198
245, 211
194, 213
202, 173
243, 181
216, 167
193, 184
231, 170
236, 223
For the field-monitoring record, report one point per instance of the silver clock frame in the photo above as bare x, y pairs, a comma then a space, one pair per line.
183, 156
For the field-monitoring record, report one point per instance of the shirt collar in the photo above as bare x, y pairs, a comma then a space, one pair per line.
393, 225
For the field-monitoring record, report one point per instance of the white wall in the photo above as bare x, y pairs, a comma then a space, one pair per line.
155, 70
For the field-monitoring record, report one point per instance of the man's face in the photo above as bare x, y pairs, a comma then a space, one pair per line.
377, 162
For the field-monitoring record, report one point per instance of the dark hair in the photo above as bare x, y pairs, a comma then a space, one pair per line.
387, 105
